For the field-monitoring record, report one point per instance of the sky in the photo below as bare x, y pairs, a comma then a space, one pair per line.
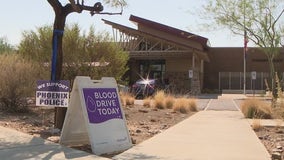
18, 16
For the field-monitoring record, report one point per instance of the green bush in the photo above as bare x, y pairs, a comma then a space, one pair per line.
17, 82
90, 54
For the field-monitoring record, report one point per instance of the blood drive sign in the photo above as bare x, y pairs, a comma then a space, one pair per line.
95, 117
102, 104
52, 93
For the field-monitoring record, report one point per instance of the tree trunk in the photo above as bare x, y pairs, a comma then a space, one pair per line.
273, 83
59, 25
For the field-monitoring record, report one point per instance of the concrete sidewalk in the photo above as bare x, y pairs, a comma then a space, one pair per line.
207, 135
15, 145
218, 133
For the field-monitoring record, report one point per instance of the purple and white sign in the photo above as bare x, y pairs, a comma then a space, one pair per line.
102, 104
52, 93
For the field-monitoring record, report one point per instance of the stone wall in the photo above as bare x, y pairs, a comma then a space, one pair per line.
180, 83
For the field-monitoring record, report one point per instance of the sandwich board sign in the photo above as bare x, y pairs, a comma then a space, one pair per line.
95, 117
52, 93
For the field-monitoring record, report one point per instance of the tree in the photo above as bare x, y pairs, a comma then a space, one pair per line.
5, 47
85, 54
282, 33
258, 21
81, 52
35, 45
61, 13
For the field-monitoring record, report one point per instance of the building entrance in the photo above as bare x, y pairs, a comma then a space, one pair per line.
153, 69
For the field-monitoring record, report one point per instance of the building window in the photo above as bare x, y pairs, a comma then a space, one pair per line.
152, 68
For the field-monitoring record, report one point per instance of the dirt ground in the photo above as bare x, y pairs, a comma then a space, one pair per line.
273, 140
142, 122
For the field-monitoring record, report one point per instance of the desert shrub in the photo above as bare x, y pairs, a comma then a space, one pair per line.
169, 102
159, 100
130, 100
127, 99
185, 105
181, 105
253, 108
192, 105
278, 112
256, 125
17, 82
147, 102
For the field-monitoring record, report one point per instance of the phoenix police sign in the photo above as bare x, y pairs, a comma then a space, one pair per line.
52, 93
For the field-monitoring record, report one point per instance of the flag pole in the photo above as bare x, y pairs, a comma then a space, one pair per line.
245, 41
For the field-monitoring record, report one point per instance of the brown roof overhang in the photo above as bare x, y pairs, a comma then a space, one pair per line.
174, 31
135, 32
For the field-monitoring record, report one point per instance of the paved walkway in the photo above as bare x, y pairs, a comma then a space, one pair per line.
16, 145
218, 133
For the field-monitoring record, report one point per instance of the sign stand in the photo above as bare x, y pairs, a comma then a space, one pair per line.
95, 117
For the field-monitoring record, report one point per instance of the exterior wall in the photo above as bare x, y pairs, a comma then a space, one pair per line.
178, 64
177, 73
221, 60
133, 71
231, 60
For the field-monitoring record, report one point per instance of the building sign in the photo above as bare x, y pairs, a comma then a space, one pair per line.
102, 104
52, 93
253, 75
190, 73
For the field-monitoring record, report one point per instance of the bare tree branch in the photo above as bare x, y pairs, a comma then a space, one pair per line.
75, 6
93, 11
281, 13
56, 5
68, 8
80, 7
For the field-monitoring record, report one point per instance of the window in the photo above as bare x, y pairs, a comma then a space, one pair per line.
152, 68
